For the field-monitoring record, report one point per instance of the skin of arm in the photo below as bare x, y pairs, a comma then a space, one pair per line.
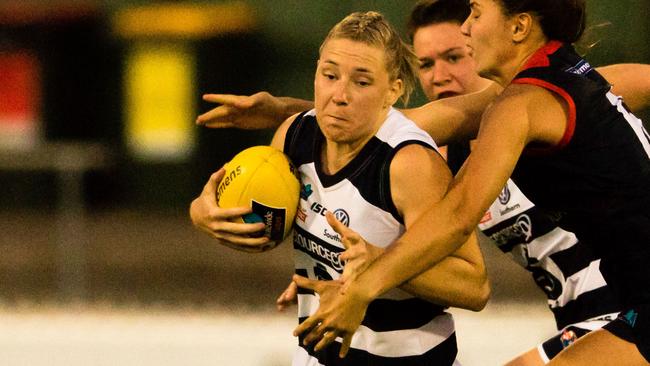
522, 114
459, 280
258, 111
630, 81
447, 120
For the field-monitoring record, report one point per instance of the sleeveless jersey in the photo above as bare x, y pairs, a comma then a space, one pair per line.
562, 266
398, 329
595, 181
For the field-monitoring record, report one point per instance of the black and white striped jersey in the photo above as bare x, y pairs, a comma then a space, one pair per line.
398, 329
562, 266
595, 182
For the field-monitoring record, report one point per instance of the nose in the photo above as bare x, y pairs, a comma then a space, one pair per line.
340, 94
441, 74
465, 27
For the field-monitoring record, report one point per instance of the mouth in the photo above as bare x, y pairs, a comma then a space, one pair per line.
338, 118
447, 94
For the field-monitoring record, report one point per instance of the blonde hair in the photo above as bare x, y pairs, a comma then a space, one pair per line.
373, 29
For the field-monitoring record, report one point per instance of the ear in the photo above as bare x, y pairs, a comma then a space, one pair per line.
394, 93
521, 26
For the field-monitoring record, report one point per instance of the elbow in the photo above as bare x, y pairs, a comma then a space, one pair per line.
481, 297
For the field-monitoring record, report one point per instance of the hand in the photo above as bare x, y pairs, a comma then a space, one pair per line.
218, 222
358, 254
339, 314
257, 111
288, 297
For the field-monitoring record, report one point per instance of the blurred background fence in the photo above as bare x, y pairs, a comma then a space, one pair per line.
100, 157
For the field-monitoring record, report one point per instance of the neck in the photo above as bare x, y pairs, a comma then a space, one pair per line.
509, 69
335, 154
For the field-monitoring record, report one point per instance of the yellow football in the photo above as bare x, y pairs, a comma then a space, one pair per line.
263, 178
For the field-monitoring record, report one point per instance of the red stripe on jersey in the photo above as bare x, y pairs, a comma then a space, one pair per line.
571, 123
540, 57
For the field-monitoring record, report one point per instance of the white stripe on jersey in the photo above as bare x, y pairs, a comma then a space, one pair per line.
585, 280
561, 239
632, 120
405, 342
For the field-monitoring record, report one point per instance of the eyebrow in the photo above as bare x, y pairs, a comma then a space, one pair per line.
358, 69
445, 52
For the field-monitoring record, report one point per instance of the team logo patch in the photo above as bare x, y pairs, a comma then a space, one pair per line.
630, 317
504, 196
301, 214
568, 337
342, 216
305, 191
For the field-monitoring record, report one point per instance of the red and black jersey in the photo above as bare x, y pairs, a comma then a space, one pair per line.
597, 179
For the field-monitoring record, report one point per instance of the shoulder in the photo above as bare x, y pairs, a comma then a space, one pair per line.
398, 129
281, 132
415, 162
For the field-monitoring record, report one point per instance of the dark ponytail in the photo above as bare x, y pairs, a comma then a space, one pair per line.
561, 20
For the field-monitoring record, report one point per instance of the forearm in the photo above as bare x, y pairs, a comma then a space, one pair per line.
419, 249
291, 106
453, 119
452, 282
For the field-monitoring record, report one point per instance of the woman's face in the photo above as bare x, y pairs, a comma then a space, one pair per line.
489, 37
446, 69
353, 91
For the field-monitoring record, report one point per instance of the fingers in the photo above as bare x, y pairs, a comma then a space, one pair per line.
216, 118
327, 338
348, 236
237, 101
308, 324
212, 183
336, 224
288, 297
304, 282
345, 345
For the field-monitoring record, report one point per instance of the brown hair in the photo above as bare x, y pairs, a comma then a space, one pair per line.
561, 20
427, 12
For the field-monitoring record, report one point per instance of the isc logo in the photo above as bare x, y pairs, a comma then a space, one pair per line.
339, 213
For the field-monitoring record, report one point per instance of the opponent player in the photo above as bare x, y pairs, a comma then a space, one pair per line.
353, 152
575, 149
562, 266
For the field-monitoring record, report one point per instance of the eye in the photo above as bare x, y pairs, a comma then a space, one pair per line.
329, 75
425, 65
363, 83
452, 59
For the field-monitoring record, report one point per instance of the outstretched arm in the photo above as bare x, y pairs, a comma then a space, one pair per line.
446, 120
630, 81
258, 111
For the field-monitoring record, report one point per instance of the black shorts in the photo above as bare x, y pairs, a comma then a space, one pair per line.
633, 325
